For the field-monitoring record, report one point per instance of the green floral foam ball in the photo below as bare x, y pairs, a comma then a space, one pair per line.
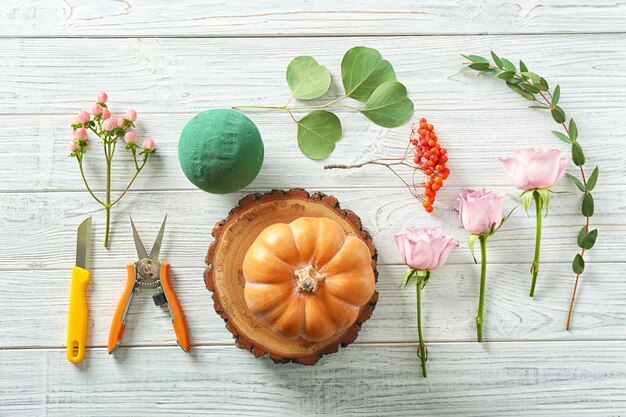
220, 151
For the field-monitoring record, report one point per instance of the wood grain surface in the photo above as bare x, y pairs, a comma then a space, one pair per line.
170, 60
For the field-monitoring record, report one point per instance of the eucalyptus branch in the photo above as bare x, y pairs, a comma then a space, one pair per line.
533, 87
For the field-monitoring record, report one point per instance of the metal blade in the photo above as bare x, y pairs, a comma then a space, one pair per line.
156, 248
83, 243
141, 250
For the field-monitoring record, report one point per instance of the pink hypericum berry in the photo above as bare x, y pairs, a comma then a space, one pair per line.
80, 133
130, 137
120, 121
102, 97
96, 109
148, 144
74, 146
83, 117
131, 115
109, 124
106, 114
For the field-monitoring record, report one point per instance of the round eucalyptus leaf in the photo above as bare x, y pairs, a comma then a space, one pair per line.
318, 132
307, 79
389, 106
363, 70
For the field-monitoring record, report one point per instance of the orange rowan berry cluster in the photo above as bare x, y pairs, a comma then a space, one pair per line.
432, 159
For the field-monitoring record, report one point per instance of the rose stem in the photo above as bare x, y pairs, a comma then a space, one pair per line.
422, 346
535, 266
483, 279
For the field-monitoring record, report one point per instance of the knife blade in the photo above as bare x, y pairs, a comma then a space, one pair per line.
78, 314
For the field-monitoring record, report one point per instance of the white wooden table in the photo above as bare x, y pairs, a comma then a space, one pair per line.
170, 60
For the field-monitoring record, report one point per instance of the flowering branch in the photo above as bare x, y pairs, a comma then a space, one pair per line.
535, 88
109, 129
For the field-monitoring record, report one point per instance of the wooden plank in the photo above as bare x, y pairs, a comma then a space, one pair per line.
190, 75
466, 379
34, 149
39, 229
449, 303
239, 18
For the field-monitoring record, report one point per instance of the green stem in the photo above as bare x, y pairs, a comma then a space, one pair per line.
534, 269
422, 346
319, 106
132, 180
82, 174
483, 280
107, 206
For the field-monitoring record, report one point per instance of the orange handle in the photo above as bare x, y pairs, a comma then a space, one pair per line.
178, 317
117, 326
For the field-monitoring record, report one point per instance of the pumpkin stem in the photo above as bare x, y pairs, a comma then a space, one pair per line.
308, 279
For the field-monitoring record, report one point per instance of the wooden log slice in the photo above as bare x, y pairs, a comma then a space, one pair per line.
224, 275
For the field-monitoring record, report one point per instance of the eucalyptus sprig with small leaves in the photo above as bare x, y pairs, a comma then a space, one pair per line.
535, 88
366, 78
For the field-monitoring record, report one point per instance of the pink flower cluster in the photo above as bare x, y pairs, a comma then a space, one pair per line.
102, 122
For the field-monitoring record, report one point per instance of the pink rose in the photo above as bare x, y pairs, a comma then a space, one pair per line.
424, 248
531, 168
80, 133
480, 211
109, 124
131, 115
83, 117
148, 144
97, 109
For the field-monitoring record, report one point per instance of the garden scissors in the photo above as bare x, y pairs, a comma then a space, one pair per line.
149, 273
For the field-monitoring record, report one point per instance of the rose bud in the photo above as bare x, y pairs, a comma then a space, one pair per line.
80, 133
130, 137
480, 211
532, 168
131, 115
83, 117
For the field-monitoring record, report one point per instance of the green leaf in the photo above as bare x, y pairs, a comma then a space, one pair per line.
307, 79
363, 70
576, 181
318, 132
475, 58
578, 265
577, 154
544, 194
515, 80
530, 88
389, 106
556, 95
490, 71
581, 236
589, 240
532, 76
561, 136
587, 208
506, 75
593, 179
479, 67
407, 277
527, 197
542, 108
543, 85
558, 115
522, 66
573, 130
508, 65
520, 91
496, 59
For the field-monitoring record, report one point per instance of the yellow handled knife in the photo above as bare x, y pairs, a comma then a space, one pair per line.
78, 313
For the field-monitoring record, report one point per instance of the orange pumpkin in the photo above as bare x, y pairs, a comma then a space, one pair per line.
307, 278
